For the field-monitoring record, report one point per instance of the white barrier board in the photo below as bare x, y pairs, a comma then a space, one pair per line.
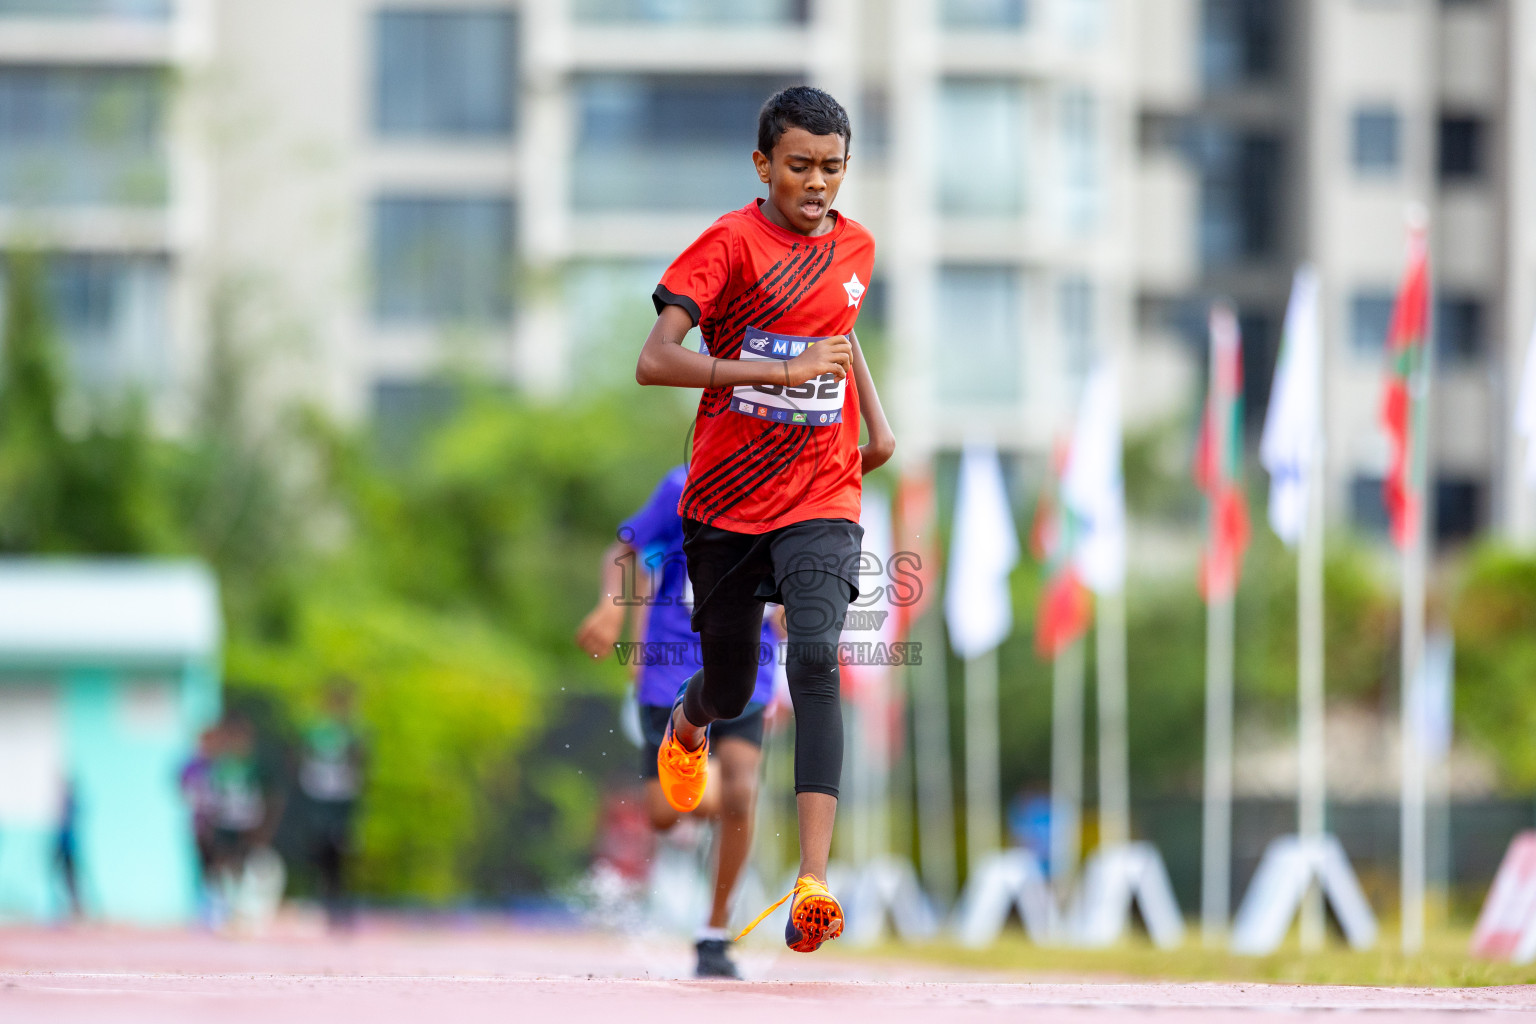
1002, 882
887, 888
1288, 869
1115, 879
1506, 928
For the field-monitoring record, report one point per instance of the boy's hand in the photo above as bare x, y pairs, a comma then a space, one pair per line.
832, 355
599, 631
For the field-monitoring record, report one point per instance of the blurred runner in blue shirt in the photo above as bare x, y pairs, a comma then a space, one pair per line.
651, 542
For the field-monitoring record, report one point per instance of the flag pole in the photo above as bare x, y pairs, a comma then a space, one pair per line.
1413, 761
930, 742
1114, 772
982, 808
1220, 584
1311, 801
1415, 572
1066, 763
1216, 833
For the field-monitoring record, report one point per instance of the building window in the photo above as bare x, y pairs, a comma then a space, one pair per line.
442, 260
406, 411
1458, 329
137, 10
665, 142
113, 316
1080, 161
983, 14
1084, 21
981, 147
1159, 133
1240, 194
1376, 140
1370, 317
1368, 505
874, 124
444, 73
1458, 509
82, 135
694, 12
1461, 148
983, 305
609, 306
1077, 325
1240, 42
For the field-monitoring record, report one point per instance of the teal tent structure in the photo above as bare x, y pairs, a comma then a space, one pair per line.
109, 670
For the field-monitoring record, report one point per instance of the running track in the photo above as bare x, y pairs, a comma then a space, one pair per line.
388, 974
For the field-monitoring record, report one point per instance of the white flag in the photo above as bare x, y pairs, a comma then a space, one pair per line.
1293, 425
983, 551
1093, 487
1525, 410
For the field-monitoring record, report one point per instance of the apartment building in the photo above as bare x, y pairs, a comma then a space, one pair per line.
100, 165
1319, 123
384, 188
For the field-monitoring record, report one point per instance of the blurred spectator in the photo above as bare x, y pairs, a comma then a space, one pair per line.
1029, 824
331, 769
197, 788
245, 877
68, 819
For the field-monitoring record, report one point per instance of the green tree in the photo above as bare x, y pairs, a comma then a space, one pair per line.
1495, 624
33, 452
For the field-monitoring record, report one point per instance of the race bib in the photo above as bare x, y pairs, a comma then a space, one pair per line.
816, 403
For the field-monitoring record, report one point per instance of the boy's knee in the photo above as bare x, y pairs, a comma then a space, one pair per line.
737, 797
810, 656
732, 705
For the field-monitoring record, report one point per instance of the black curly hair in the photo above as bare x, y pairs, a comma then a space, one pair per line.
801, 106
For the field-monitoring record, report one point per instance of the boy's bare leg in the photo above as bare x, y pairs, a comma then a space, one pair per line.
662, 814
818, 813
688, 734
737, 761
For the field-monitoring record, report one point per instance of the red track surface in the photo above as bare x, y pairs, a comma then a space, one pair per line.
388, 974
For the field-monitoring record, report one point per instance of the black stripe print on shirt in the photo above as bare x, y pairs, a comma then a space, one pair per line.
699, 485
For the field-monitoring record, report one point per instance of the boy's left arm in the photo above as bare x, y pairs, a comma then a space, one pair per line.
882, 442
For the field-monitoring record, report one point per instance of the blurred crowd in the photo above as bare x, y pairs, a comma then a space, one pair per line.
244, 789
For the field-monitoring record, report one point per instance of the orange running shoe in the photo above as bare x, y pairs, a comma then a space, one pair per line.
682, 772
815, 916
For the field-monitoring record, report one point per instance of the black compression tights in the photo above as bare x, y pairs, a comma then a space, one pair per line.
815, 603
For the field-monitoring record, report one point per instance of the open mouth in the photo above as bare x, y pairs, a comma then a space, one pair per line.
813, 207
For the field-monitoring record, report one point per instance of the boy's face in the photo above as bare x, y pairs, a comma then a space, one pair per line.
803, 174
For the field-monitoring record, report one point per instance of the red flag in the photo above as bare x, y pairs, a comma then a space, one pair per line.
1400, 407
914, 568
1218, 461
1065, 609
1065, 612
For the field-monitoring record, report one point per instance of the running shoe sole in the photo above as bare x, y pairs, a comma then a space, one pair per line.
812, 921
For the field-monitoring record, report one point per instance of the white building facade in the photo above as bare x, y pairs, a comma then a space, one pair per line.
389, 189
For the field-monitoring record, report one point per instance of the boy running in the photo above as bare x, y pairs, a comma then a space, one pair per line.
770, 511
653, 536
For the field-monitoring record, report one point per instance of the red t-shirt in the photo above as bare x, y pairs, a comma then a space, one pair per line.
768, 456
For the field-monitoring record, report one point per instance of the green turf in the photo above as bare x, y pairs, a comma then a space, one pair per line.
1445, 962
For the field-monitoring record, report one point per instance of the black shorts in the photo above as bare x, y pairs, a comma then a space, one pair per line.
653, 726
744, 570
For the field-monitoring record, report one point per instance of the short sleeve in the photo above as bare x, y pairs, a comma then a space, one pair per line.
658, 516
698, 277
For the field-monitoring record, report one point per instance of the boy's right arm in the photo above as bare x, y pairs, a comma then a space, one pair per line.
664, 361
